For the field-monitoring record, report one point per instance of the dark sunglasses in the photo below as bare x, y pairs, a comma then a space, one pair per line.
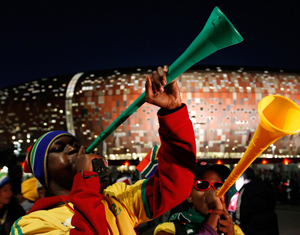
203, 185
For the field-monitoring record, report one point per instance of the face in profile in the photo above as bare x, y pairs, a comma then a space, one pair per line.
60, 161
198, 198
5, 194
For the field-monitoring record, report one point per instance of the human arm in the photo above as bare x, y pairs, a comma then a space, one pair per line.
213, 203
224, 224
86, 198
36, 224
167, 97
172, 182
49, 218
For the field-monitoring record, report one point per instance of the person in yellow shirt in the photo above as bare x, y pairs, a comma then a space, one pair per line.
83, 203
31, 190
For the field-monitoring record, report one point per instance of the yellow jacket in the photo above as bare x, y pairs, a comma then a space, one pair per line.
123, 206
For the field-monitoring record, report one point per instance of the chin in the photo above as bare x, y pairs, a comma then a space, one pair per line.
205, 214
204, 211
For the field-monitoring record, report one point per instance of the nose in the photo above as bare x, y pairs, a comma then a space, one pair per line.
211, 188
72, 149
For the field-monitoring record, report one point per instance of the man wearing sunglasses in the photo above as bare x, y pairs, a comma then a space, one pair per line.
203, 212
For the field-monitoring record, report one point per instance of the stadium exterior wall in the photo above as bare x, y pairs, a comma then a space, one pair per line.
222, 105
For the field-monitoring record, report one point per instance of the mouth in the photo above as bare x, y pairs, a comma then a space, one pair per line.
73, 158
75, 154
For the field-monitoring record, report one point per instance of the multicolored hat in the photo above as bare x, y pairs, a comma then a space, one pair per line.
36, 160
3, 180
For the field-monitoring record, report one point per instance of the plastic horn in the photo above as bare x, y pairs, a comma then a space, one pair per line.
279, 117
217, 33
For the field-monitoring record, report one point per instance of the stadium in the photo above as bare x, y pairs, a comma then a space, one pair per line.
222, 104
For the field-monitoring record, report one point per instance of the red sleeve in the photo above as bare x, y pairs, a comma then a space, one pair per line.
172, 182
89, 217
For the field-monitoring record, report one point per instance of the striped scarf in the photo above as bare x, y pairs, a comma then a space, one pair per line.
190, 219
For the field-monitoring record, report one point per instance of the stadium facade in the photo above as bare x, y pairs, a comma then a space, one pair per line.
222, 104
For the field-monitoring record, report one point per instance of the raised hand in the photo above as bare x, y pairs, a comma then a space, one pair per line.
225, 223
165, 97
83, 161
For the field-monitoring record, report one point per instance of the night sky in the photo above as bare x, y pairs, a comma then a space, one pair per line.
47, 38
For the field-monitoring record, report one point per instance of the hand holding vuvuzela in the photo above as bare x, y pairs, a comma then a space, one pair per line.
217, 33
279, 117
167, 97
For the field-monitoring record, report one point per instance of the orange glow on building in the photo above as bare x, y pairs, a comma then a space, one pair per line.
264, 161
222, 105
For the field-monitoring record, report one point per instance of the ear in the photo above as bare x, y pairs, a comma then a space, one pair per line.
190, 199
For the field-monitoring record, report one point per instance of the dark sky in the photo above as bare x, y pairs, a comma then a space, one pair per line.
47, 38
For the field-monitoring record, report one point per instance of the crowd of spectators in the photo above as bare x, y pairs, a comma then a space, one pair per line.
18, 193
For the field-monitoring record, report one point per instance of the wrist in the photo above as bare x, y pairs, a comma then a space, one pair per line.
165, 111
88, 174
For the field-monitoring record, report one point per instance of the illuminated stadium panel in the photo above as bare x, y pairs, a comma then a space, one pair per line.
222, 105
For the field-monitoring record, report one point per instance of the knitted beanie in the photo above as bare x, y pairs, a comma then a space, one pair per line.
36, 159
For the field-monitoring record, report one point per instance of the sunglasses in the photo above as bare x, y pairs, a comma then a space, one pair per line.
204, 185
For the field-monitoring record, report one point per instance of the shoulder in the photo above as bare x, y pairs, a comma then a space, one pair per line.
167, 227
44, 220
120, 188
